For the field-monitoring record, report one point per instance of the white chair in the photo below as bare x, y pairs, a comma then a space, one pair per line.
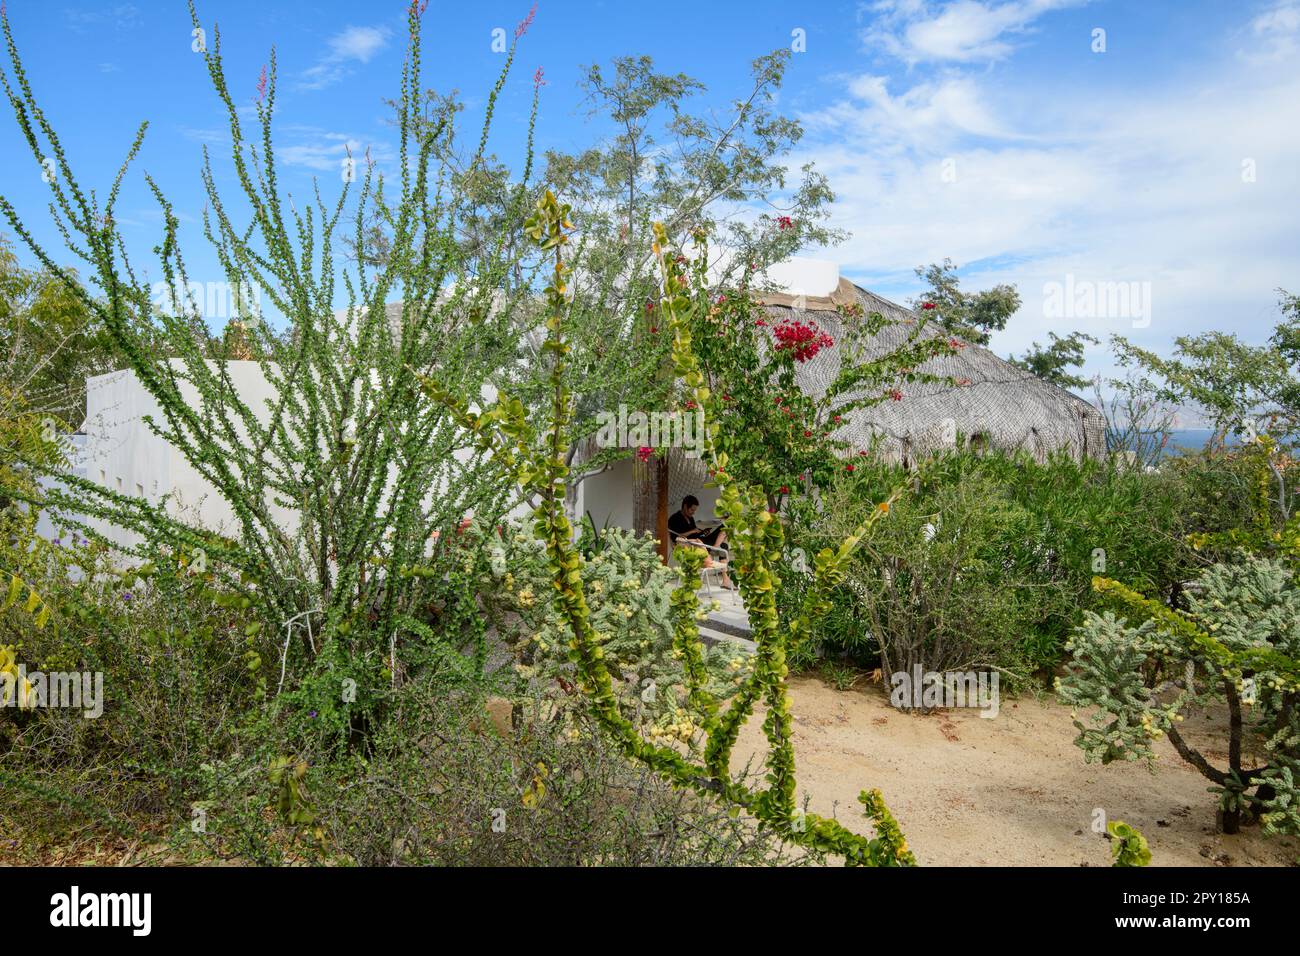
719, 566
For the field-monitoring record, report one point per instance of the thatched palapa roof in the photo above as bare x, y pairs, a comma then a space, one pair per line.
1003, 407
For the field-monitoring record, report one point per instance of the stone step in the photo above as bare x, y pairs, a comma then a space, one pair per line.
712, 638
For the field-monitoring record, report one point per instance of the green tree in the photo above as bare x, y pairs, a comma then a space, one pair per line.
1241, 387
1051, 363
968, 315
50, 342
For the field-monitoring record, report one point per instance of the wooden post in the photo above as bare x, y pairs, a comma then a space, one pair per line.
650, 500
661, 511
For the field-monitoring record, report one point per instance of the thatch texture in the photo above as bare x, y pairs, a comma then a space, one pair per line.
1004, 407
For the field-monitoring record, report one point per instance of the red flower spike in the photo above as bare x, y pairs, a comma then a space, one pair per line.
526, 22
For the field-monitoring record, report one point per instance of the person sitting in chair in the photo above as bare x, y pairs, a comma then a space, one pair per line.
683, 530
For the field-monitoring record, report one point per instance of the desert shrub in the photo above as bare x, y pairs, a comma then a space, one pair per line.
1237, 648
1036, 532
952, 581
444, 788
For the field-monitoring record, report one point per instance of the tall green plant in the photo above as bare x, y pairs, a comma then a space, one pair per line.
536, 457
335, 482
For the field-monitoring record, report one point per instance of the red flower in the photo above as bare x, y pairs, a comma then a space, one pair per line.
784, 223
726, 397
848, 467
785, 489
644, 453
927, 305
537, 77
896, 395
654, 330
862, 454
837, 418
807, 434
954, 344
802, 339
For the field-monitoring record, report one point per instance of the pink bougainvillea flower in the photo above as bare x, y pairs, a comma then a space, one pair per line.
896, 395
644, 453
927, 305
955, 344
785, 489
784, 223
848, 467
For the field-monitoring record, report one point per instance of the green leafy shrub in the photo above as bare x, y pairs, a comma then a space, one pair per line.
1022, 538
1129, 845
947, 583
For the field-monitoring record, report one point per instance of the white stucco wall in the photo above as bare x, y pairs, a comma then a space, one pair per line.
120, 452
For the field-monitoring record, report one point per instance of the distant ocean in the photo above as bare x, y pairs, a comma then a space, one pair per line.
1191, 440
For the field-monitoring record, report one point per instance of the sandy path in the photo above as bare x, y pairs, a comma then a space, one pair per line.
1013, 790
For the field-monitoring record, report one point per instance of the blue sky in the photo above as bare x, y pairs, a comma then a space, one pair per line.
988, 131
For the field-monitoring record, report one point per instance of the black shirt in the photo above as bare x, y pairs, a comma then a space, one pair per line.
679, 524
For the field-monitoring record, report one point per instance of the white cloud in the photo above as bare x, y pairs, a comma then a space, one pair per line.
351, 45
1274, 34
961, 31
324, 151
1142, 185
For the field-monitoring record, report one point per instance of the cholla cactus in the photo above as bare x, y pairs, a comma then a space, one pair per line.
1238, 645
634, 613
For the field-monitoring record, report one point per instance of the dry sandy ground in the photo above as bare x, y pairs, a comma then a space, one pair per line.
1012, 790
